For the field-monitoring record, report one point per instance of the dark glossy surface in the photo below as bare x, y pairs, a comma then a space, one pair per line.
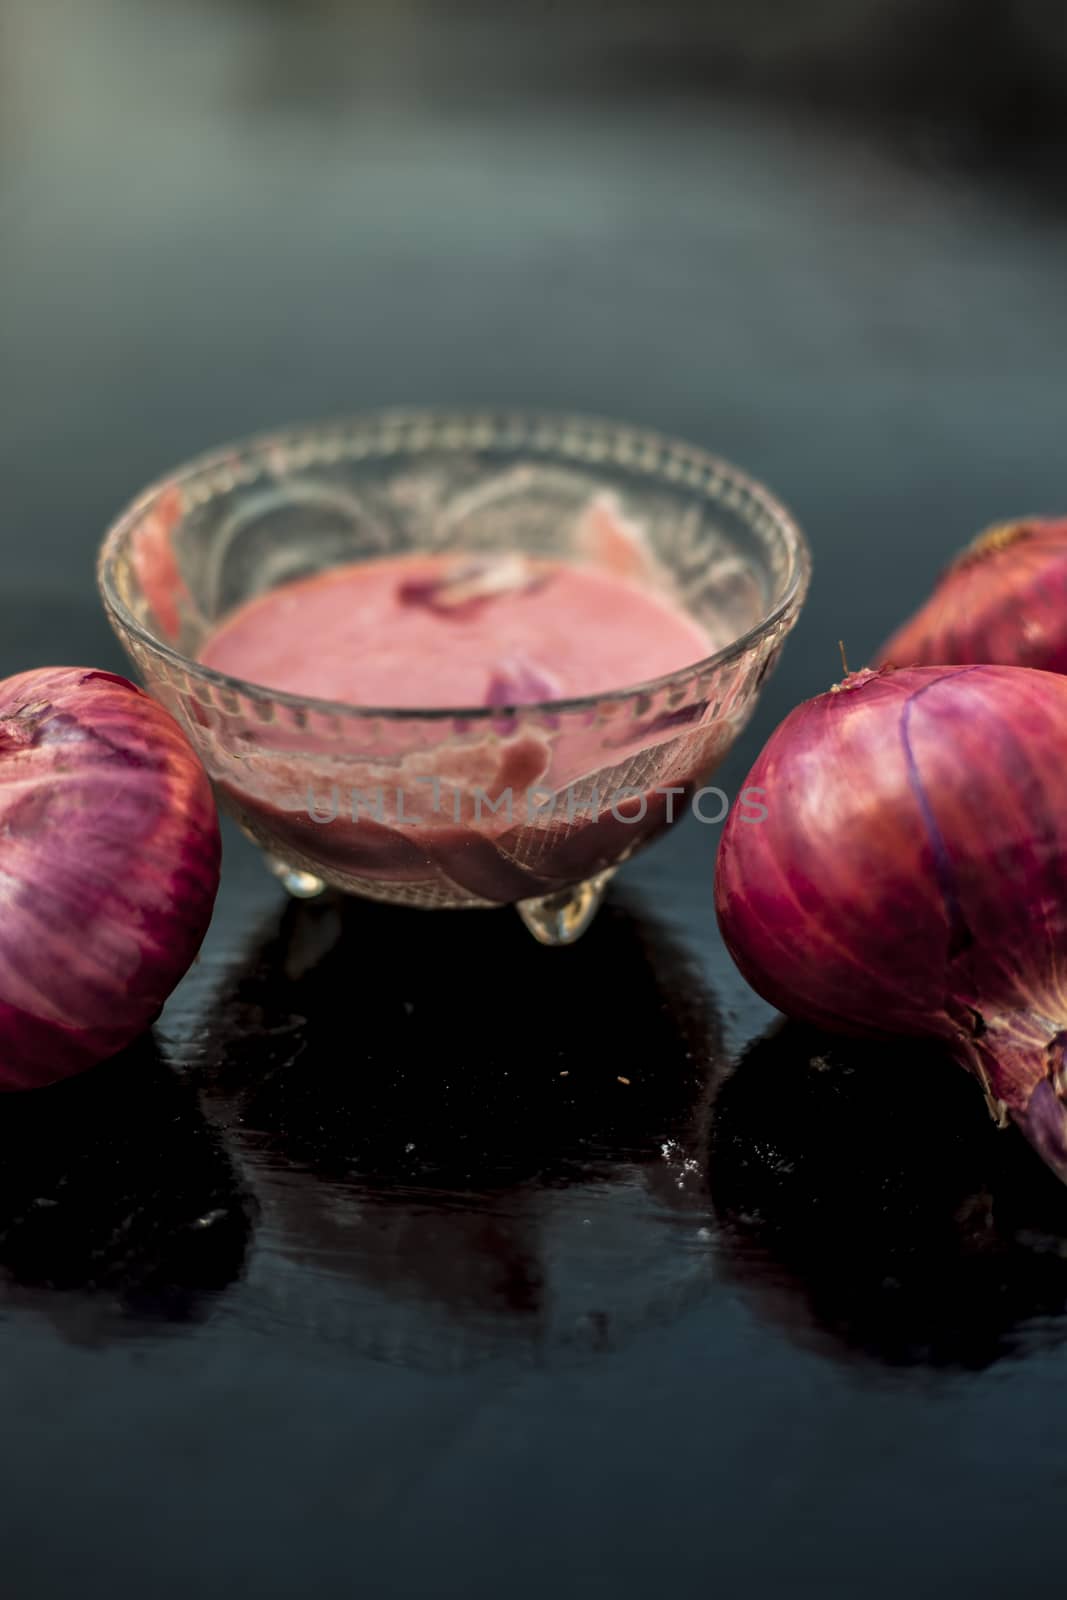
412, 1258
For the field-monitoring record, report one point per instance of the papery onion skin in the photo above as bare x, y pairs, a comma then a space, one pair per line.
910, 876
109, 867
1003, 600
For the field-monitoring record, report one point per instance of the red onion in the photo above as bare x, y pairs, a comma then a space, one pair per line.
1004, 599
109, 865
910, 875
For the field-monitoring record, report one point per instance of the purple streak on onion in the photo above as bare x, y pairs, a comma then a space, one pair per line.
109, 866
911, 875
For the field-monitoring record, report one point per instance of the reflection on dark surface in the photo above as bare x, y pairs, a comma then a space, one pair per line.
868, 1203
117, 1206
485, 1140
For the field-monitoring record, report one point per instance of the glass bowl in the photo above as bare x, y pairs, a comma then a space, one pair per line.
534, 805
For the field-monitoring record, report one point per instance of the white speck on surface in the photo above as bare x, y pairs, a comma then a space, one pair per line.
210, 1218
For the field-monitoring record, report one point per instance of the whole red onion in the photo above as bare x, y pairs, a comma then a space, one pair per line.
109, 865
910, 875
1003, 600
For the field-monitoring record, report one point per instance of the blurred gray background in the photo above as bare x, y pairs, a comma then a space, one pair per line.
826, 240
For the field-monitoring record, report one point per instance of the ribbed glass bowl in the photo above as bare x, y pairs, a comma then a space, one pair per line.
535, 805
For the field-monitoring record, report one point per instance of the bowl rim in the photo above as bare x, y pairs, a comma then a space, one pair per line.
495, 420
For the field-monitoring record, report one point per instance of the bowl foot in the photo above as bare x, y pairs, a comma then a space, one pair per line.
563, 917
301, 885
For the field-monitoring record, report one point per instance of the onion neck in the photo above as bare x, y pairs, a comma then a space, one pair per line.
1000, 537
19, 728
13, 735
1044, 1122
857, 680
1020, 1059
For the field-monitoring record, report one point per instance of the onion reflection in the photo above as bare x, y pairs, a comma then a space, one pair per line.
463, 1142
868, 1204
118, 1207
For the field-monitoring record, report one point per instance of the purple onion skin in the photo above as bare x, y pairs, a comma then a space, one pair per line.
910, 875
109, 866
1003, 599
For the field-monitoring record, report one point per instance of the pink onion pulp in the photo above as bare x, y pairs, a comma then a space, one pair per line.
109, 865
1004, 600
910, 876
